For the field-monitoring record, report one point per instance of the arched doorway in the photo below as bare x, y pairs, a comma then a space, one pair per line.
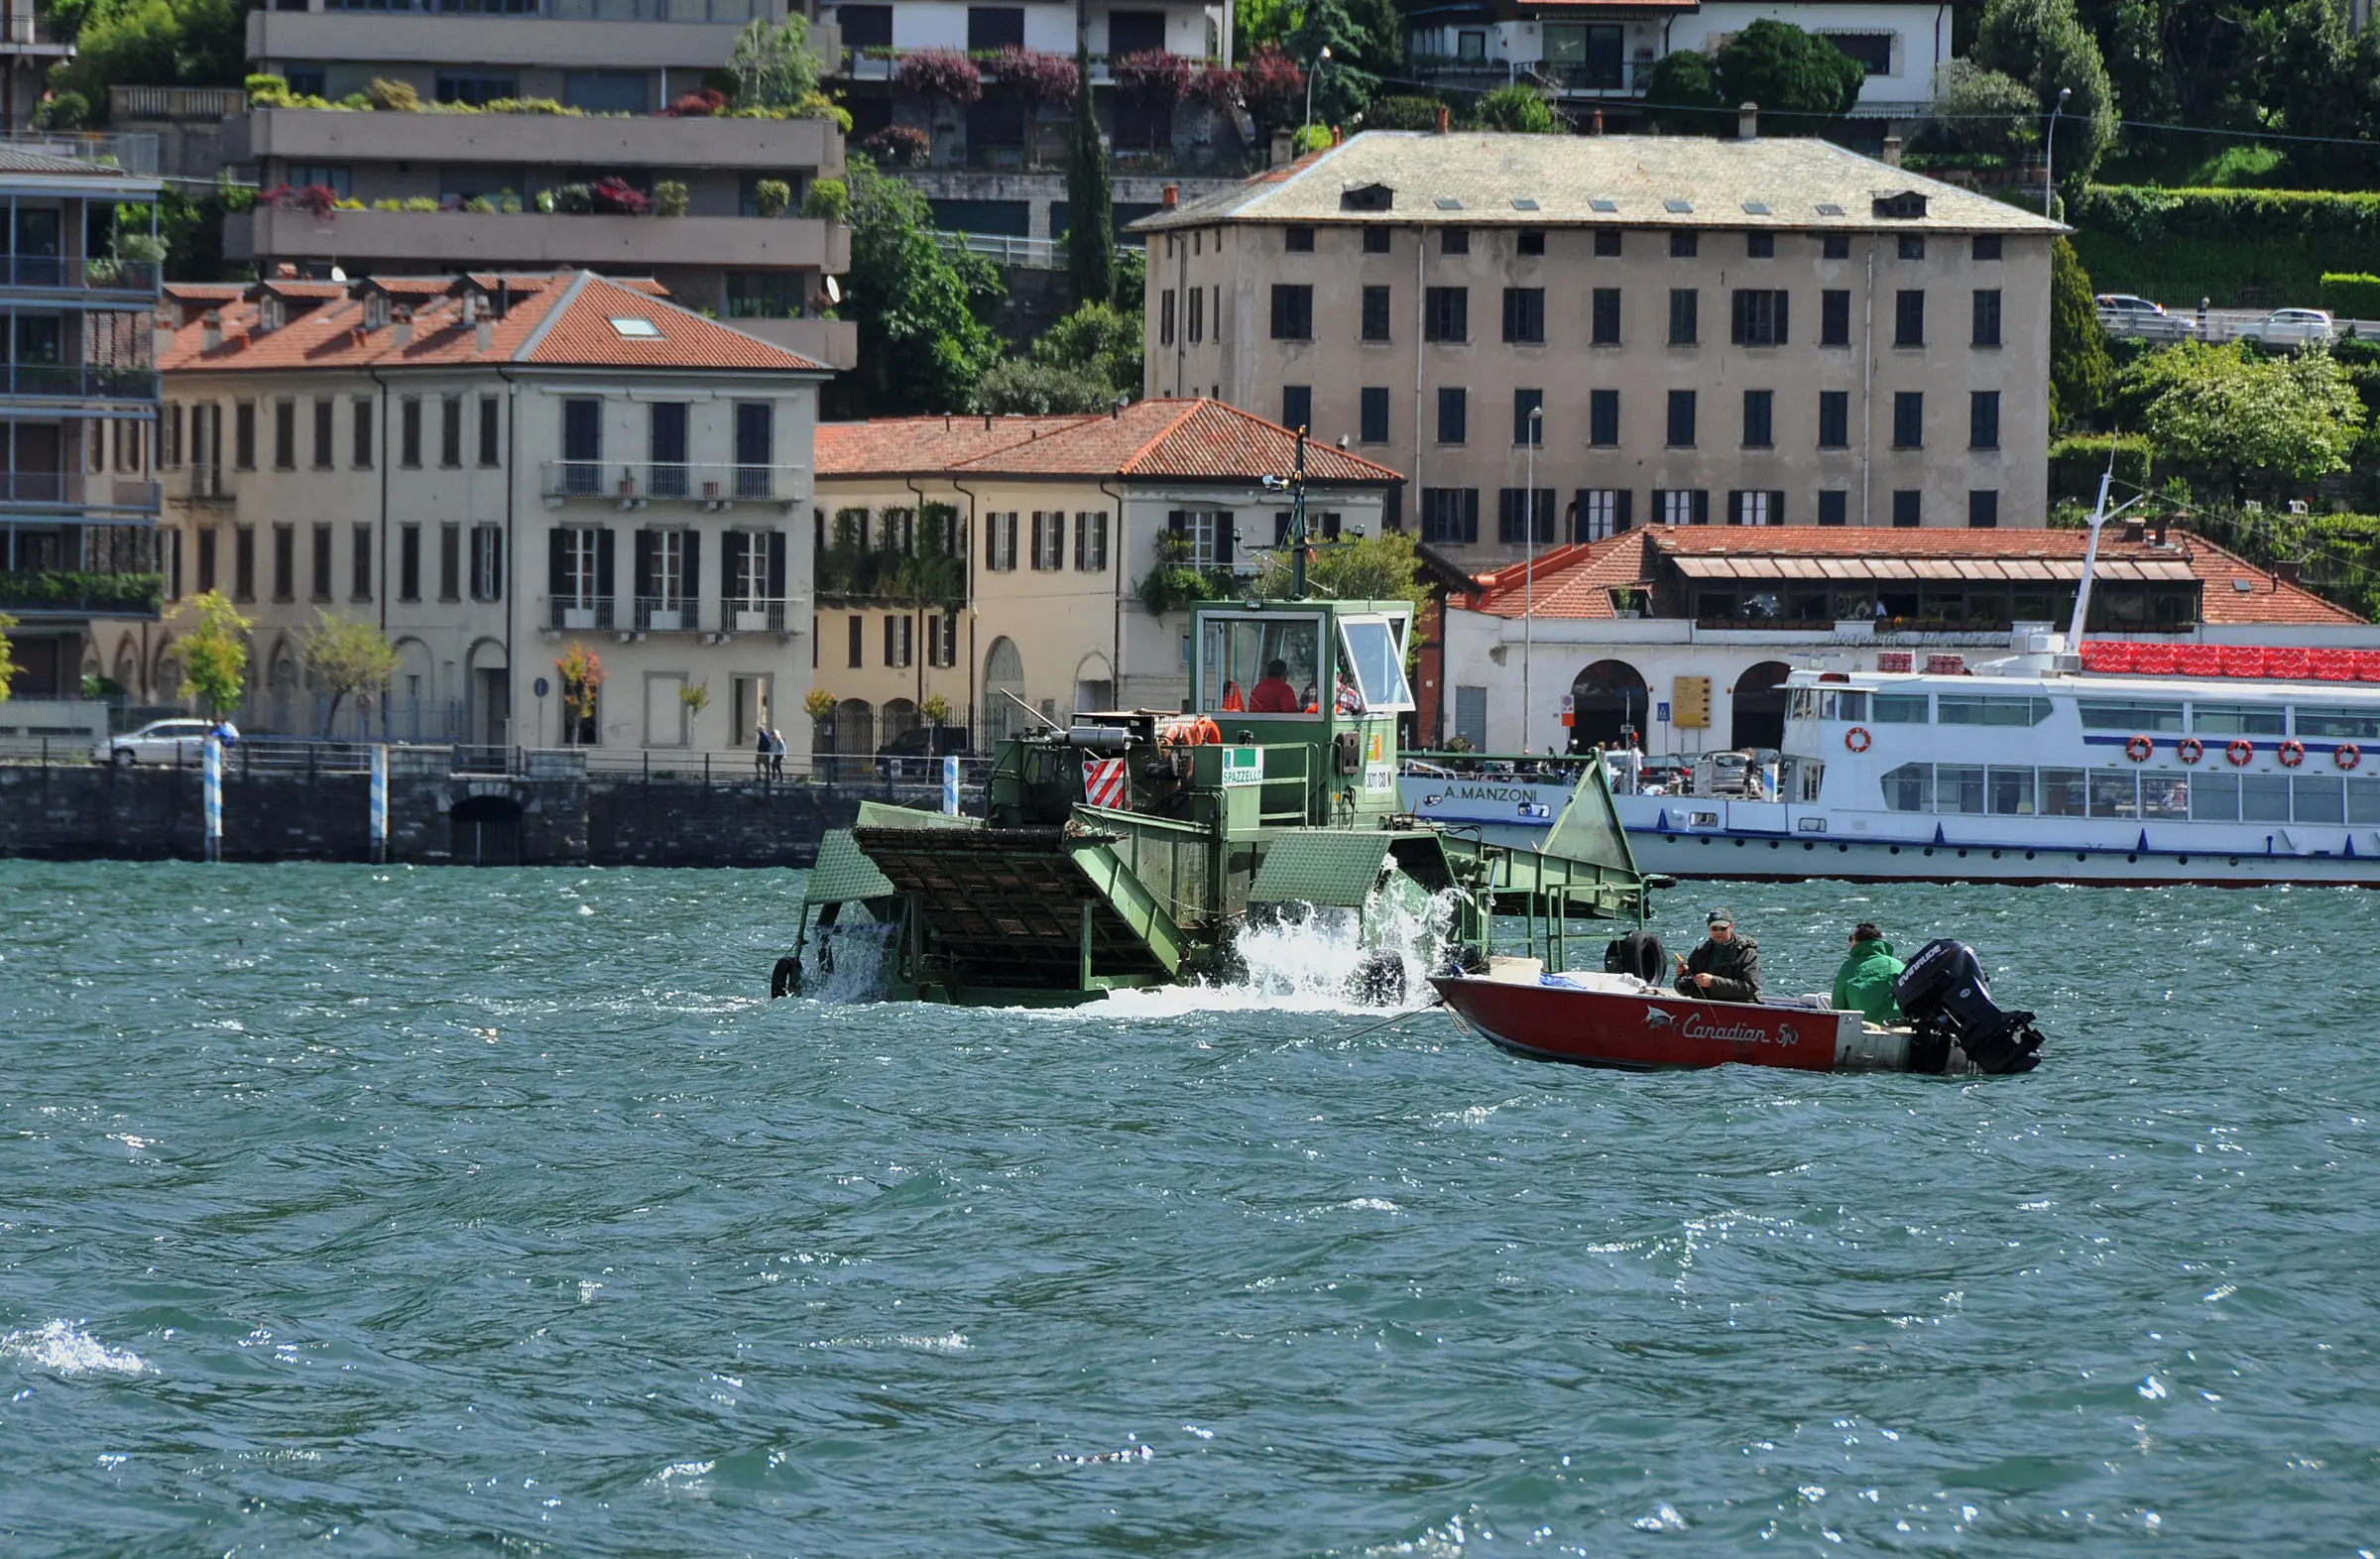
167, 680
1759, 703
1094, 685
487, 830
855, 728
412, 690
488, 687
128, 669
898, 718
283, 686
1608, 699
1003, 672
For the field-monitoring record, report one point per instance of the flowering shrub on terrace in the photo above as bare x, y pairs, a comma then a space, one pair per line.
1042, 80
1152, 76
942, 73
902, 145
314, 199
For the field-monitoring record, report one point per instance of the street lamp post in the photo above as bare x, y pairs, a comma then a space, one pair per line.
1320, 60
2049, 154
1528, 574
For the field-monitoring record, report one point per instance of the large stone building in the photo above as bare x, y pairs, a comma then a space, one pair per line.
79, 500
1561, 337
490, 469
1037, 535
1685, 635
614, 67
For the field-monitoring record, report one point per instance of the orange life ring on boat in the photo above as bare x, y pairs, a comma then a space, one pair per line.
2346, 755
1857, 739
2292, 753
2189, 749
2240, 753
2138, 749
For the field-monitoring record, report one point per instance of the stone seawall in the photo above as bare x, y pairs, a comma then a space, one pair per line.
553, 814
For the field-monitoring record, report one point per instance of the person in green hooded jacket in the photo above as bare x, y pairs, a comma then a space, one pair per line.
1865, 982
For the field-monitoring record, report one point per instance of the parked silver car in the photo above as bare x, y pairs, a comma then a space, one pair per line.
157, 742
2124, 313
2291, 327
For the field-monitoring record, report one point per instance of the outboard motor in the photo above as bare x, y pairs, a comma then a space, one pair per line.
1942, 991
1638, 954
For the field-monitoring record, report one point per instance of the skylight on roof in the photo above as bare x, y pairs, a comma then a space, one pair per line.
635, 329
1829, 208
1523, 204
1603, 206
1755, 209
1683, 207
1448, 203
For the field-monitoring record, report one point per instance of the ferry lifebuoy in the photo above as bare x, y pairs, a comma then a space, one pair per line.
1857, 739
2139, 748
2240, 753
2292, 753
2189, 749
2346, 755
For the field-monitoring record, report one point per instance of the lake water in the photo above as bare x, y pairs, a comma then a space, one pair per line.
498, 1211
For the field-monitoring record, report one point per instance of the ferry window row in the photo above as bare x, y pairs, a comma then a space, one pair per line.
1979, 790
2131, 717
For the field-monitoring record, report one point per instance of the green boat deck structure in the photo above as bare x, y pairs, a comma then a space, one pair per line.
1276, 790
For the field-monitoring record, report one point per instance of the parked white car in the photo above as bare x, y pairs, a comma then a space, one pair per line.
2292, 327
159, 742
2123, 313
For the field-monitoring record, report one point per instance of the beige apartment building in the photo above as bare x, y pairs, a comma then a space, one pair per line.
490, 469
998, 564
1559, 338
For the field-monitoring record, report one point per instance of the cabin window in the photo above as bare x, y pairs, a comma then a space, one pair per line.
2060, 793
2108, 714
1903, 709
1971, 710
1909, 788
2114, 793
2264, 798
2239, 719
1959, 787
2318, 798
2214, 799
2346, 725
2363, 800
2164, 796
2009, 792
1260, 664
1374, 650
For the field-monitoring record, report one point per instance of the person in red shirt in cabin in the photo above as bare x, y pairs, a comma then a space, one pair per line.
1273, 695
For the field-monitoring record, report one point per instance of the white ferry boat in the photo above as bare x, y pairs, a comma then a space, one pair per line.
2122, 764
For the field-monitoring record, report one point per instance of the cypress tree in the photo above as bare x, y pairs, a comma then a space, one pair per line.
1090, 198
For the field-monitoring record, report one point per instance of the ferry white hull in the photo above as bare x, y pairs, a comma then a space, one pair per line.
1770, 841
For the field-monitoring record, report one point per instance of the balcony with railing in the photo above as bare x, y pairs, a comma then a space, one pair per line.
129, 154
713, 484
642, 34
136, 280
53, 593
49, 492
74, 382
666, 614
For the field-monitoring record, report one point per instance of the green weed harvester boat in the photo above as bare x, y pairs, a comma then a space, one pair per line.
1127, 849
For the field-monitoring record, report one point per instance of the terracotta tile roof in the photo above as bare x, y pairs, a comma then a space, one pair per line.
1621, 180
1182, 439
564, 319
1576, 581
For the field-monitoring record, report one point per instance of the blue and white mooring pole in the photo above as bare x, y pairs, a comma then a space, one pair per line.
950, 784
380, 803
211, 771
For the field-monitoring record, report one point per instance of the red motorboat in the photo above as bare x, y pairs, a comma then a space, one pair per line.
1620, 1021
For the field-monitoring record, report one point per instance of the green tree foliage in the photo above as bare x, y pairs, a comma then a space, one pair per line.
156, 42
1799, 76
2319, 79
2080, 368
1682, 93
348, 658
1402, 113
2044, 44
1090, 195
1361, 568
214, 655
1344, 86
8, 664
921, 309
775, 66
2247, 419
1983, 111
1517, 108
1081, 364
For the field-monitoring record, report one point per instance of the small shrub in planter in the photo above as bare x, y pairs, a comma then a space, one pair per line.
708, 103
568, 201
670, 199
826, 200
420, 203
392, 97
480, 206
313, 199
509, 202
613, 195
772, 197
901, 146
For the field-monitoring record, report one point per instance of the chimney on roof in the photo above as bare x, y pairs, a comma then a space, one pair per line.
1281, 148
504, 296
483, 336
401, 325
1336, 135
1595, 126
1169, 196
2134, 531
287, 271
1446, 119
160, 338
1748, 122
212, 336
1892, 150
2287, 572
